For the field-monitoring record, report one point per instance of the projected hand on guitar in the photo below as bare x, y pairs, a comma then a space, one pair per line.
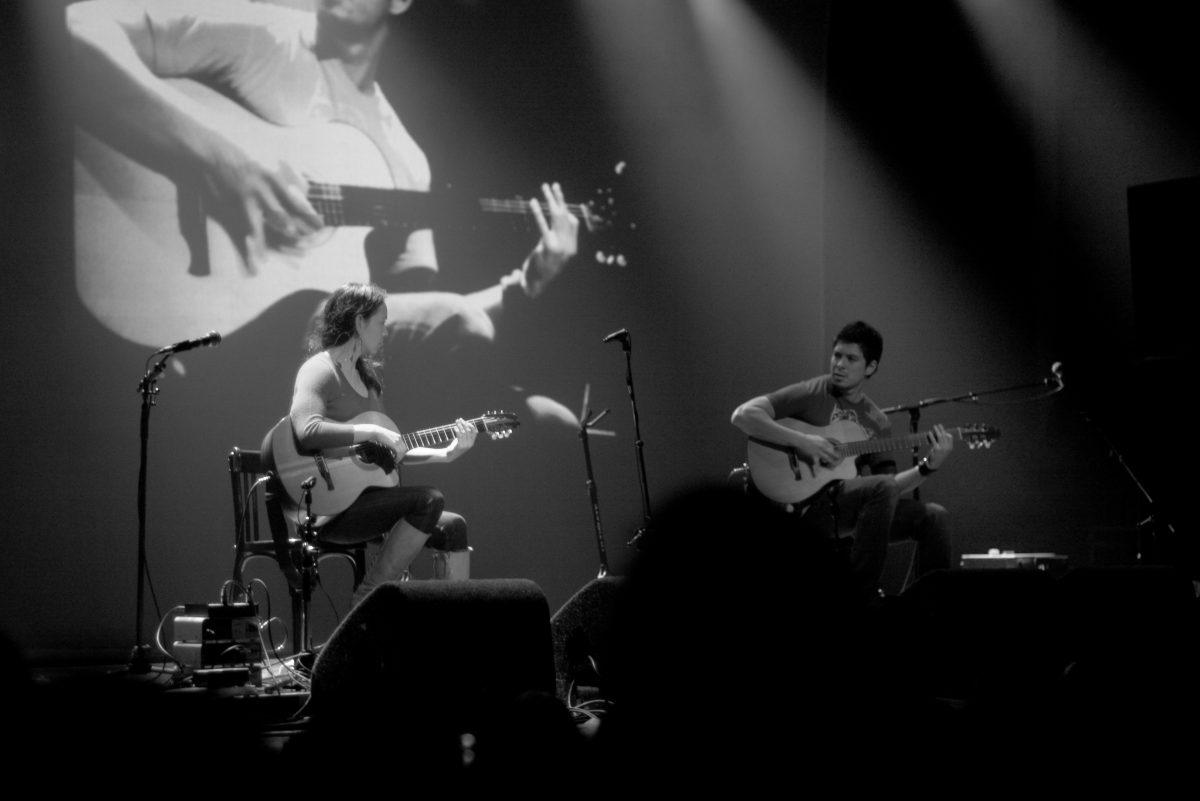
792, 474
265, 212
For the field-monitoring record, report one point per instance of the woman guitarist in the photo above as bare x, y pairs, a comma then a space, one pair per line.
339, 381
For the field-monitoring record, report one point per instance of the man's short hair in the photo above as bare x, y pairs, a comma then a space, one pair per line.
865, 336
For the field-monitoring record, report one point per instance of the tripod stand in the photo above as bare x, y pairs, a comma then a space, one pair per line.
587, 428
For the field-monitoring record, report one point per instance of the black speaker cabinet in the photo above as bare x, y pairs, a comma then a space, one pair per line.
444, 652
1162, 241
582, 634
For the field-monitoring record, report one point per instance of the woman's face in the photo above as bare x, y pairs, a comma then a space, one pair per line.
372, 330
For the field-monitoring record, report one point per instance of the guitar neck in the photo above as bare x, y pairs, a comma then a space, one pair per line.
381, 208
439, 435
866, 446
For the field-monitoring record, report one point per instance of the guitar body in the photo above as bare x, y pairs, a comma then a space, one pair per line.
782, 476
154, 265
341, 473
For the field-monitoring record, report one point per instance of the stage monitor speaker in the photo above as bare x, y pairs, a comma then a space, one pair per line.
582, 634
985, 634
446, 652
1134, 610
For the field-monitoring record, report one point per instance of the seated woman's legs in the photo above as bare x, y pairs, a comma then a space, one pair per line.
452, 557
405, 516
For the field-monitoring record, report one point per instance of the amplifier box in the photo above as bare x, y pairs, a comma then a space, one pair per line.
189, 628
217, 652
997, 559
218, 636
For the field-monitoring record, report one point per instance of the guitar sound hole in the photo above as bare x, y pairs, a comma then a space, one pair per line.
376, 454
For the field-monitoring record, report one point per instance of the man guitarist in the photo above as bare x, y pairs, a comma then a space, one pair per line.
868, 504
338, 382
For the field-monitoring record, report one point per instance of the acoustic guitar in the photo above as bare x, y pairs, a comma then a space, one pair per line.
781, 474
341, 474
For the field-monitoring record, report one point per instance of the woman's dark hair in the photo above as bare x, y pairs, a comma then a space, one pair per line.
334, 325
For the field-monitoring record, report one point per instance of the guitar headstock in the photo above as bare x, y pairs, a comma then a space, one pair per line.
978, 435
601, 215
499, 425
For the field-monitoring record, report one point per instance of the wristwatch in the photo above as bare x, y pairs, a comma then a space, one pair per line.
924, 469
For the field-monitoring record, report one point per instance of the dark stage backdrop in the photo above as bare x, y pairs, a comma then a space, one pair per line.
897, 178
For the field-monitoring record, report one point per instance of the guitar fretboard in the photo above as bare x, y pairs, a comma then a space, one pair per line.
439, 435
891, 443
340, 204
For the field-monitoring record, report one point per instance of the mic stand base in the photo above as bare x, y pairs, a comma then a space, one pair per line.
140, 660
637, 539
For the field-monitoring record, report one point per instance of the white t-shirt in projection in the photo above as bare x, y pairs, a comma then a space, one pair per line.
262, 55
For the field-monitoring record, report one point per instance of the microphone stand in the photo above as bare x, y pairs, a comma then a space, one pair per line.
1148, 528
914, 409
584, 425
139, 661
308, 567
639, 444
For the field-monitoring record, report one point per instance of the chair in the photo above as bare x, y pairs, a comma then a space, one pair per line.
296, 559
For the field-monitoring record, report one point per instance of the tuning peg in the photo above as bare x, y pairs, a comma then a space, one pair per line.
611, 258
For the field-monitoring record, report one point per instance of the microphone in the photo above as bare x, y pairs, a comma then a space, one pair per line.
209, 339
1056, 371
622, 335
308, 483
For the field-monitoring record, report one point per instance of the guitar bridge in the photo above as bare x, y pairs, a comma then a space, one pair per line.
323, 469
794, 463
792, 454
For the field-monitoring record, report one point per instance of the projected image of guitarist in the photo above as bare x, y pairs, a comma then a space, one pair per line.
803, 439
232, 154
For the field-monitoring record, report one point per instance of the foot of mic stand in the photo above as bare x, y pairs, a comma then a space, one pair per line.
638, 538
139, 660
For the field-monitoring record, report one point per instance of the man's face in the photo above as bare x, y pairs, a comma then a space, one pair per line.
848, 366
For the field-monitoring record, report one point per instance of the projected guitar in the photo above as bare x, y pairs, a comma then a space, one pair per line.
153, 264
343, 473
782, 475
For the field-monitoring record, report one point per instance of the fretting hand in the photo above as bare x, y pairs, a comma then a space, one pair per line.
943, 443
463, 441
560, 240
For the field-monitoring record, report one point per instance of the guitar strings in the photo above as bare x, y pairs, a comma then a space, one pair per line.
859, 447
332, 196
432, 436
